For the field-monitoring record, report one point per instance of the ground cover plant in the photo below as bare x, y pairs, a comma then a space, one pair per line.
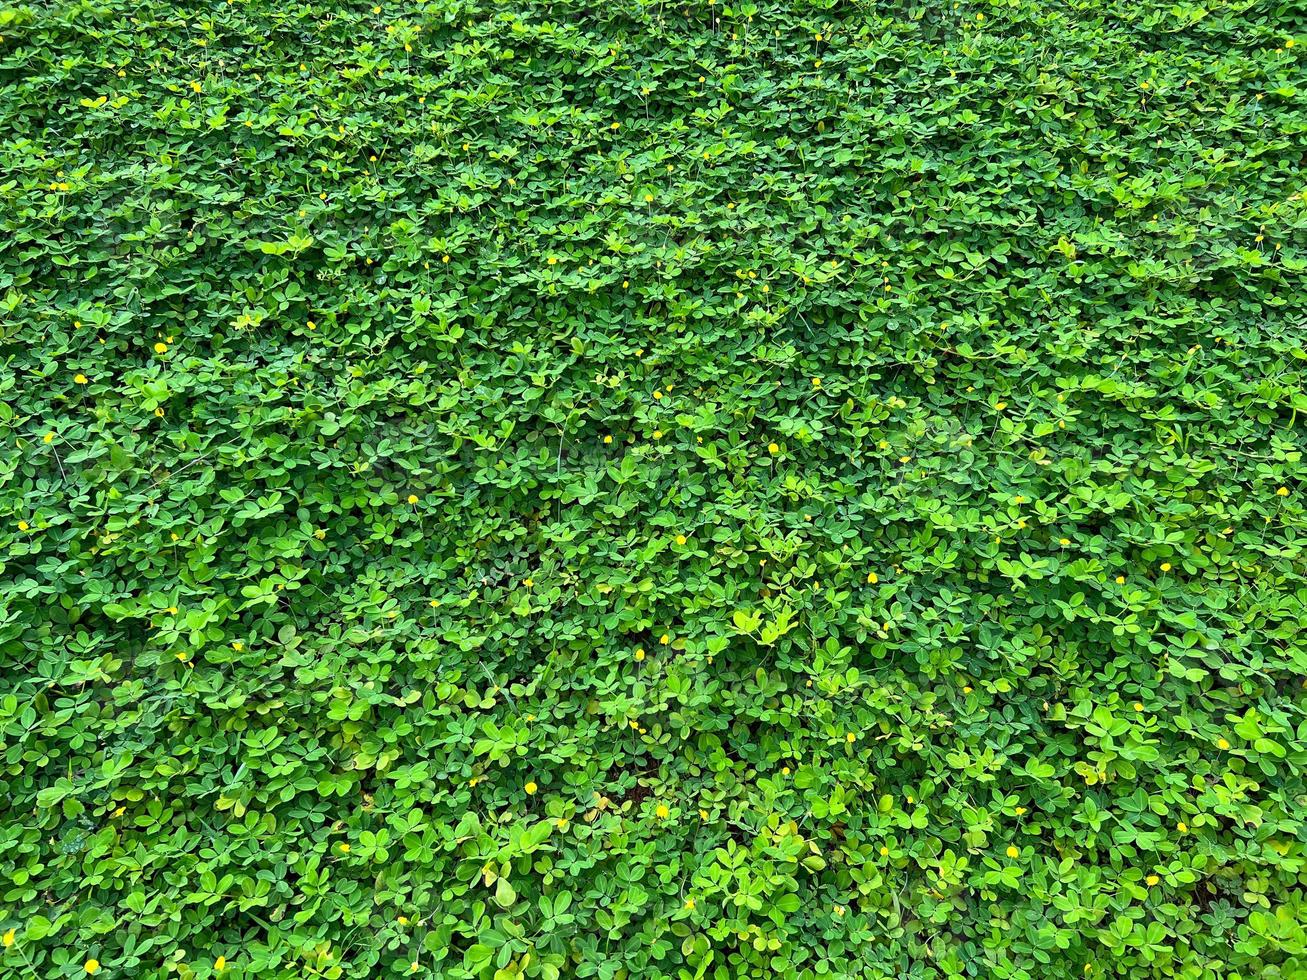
629, 489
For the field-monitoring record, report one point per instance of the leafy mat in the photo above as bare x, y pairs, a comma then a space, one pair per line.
629, 489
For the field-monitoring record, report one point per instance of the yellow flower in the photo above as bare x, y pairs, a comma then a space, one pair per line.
8, 938
850, 737
648, 198
658, 394
1120, 580
238, 646
220, 963
1151, 880
1064, 541
680, 539
966, 689
528, 582
552, 261
1222, 743
92, 966
658, 433
48, 438
872, 578
773, 448
661, 811
816, 382
1166, 566
626, 283
81, 380
664, 639
196, 87
1019, 811
23, 525
689, 903
639, 654
161, 348
1182, 827
1138, 706
412, 498
344, 848
608, 440
530, 789
884, 852
1012, 851
1282, 492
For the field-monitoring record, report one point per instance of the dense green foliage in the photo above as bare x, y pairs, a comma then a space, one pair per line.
623, 489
